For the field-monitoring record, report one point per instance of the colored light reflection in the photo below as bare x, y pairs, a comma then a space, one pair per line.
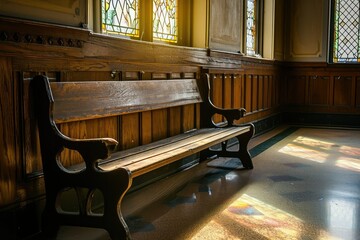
320, 151
351, 164
351, 151
250, 218
314, 143
304, 153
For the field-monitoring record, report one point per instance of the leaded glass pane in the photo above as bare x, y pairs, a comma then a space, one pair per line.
120, 17
250, 27
165, 20
347, 31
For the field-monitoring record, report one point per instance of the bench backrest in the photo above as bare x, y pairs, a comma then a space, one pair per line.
74, 101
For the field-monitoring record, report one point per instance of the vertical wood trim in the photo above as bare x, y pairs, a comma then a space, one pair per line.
255, 93
266, 92
174, 121
8, 157
332, 91
130, 126
159, 124
236, 89
188, 115
357, 93
217, 94
146, 133
227, 92
260, 92
353, 91
307, 90
248, 92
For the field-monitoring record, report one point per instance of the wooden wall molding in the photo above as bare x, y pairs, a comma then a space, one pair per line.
29, 38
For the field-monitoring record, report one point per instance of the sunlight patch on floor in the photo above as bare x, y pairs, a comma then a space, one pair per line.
348, 163
250, 218
304, 153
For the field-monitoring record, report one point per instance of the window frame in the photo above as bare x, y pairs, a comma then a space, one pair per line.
332, 9
146, 22
259, 25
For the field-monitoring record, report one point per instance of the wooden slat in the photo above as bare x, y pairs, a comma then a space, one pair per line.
175, 121
163, 153
216, 94
255, 93
86, 100
227, 91
248, 91
146, 131
130, 136
342, 95
260, 93
188, 116
266, 92
159, 124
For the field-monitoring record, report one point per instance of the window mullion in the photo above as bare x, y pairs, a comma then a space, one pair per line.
146, 20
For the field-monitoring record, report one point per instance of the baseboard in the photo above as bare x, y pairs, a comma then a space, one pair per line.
323, 119
268, 123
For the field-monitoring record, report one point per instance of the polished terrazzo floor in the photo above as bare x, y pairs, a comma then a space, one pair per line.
305, 185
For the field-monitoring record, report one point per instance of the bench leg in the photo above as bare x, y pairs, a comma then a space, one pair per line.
242, 153
50, 224
114, 222
113, 186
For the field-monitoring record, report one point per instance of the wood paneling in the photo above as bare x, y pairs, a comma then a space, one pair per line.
227, 91
296, 90
328, 88
187, 119
357, 92
238, 91
217, 94
159, 124
248, 93
8, 158
146, 130
175, 120
266, 93
319, 87
342, 95
253, 89
130, 131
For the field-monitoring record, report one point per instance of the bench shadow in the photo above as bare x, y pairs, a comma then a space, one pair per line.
184, 207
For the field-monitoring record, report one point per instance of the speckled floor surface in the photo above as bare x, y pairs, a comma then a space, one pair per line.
305, 185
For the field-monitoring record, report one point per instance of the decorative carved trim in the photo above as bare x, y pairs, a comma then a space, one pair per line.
7, 36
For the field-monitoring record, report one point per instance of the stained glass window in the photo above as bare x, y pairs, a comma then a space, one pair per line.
346, 46
251, 27
120, 17
165, 20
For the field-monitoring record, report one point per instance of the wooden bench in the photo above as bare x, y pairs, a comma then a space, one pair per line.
109, 171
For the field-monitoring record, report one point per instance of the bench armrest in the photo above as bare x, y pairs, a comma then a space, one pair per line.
230, 114
209, 108
92, 150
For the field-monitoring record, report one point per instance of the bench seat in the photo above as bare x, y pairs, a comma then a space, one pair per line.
140, 160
